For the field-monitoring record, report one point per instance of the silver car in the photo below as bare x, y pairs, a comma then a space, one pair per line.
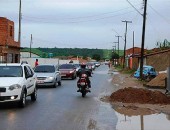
48, 75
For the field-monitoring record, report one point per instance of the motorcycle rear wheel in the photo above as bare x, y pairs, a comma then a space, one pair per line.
83, 94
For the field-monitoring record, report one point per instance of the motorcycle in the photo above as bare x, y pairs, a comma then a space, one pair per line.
82, 84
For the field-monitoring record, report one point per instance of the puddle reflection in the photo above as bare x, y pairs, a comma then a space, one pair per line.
143, 122
111, 117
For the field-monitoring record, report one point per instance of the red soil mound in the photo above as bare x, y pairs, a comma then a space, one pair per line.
139, 95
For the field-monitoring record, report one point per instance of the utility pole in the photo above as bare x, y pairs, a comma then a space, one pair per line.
114, 47
19, 32
125, 41
143, 39
30, 45
133, 44
118, 43
114, 51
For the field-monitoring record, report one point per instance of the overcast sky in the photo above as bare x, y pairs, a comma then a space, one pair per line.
88, 23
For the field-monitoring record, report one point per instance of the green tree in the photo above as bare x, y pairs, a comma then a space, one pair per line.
97, 57
115, 56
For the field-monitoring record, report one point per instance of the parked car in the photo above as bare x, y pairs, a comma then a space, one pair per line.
147, 71
17, 81
68, 71
48, 75
77, 67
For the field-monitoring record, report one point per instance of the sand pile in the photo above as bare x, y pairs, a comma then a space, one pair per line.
158, 81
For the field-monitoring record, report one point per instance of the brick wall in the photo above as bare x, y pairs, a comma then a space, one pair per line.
160, 61
7, 33
9, 48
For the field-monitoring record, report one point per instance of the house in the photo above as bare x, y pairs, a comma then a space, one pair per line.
9, 48
131, 58
160, 60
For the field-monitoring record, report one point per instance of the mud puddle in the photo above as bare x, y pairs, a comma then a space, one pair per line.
143, 122
109, 118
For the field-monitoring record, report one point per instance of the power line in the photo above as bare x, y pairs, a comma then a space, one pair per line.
134, 7
82, 17
160, 14
96, 19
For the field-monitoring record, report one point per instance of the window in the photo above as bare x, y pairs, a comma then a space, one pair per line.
11, 30
45, 68
11, 71
28, 73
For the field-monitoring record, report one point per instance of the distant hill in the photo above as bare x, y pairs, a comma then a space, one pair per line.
84, 52
35, 51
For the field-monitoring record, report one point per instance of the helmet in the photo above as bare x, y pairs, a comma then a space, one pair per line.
83, 65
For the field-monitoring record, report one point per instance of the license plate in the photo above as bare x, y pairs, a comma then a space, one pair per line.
82, 83
40, 82
63, 74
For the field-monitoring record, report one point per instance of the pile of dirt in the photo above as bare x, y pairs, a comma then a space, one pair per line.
139, 95
158, 81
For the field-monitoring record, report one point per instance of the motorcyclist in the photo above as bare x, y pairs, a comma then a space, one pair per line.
84, 70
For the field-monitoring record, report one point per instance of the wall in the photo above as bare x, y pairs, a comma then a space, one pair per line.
7, 33
27, 55
160, 61
9, 49
31, 61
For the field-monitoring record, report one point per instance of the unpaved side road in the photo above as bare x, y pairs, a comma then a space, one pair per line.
121, 81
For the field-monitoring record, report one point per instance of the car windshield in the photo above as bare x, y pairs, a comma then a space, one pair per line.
66, 66
11, 71
44, 69
77, 65
144, 69
89, 63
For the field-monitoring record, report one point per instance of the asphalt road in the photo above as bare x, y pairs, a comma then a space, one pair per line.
62, 108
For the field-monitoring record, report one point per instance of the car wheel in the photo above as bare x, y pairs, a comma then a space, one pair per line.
22, 101
59, 83
34, 95
55, 84
73, 77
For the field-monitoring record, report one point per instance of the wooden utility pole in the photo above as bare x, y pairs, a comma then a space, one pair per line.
143, 40
30, 45
133, 44
118, 43
19, 32
125, 41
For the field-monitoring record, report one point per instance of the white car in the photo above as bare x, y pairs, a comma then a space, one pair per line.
48, 75
17, 81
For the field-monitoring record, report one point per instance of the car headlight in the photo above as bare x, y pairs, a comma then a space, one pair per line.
72, 71
50, 78
15, 86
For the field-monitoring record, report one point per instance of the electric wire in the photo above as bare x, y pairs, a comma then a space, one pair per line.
82, 17
164, 18
134, 7
80, 21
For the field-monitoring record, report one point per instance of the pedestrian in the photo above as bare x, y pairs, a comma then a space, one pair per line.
109, 65
36, 62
